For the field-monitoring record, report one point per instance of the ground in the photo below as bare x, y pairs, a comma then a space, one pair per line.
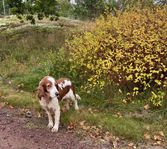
20, 132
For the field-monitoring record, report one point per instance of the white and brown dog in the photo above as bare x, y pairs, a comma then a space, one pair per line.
50, 92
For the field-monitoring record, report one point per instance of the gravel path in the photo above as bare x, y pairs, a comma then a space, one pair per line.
19, 132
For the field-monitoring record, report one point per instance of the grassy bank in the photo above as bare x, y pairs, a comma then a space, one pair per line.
130, 121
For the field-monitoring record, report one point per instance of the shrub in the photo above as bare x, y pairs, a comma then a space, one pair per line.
157, 98
40, 16
51, 18
60, 65
19, 17
89, 8
54, 18
128, 50
30, 18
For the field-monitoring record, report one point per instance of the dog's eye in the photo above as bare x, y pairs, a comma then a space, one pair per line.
48, 85
57, 94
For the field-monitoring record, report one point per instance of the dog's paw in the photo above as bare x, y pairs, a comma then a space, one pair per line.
54, 129
50, 125
76, 108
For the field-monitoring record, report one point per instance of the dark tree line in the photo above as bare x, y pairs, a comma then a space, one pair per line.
79, 9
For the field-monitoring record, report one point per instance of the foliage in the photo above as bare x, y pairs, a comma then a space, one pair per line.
66, 8
133, 4
93, 8
31, 18
83, 9
17, 6
42, 8
60, 65
128, 50
89, 8
157, 98
40, 16
26, 63
46, 7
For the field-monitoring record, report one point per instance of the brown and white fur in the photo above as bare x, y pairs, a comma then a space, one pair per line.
50, 92
67, 92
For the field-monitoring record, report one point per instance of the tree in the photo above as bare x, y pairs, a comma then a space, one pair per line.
42, 8
47, 7
90, 8
16, 6
4, 8
66, 8
93, 8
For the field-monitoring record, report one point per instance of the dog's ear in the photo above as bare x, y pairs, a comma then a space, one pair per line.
56, 84
41, 91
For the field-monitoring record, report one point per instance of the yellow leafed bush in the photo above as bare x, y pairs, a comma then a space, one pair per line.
129, 50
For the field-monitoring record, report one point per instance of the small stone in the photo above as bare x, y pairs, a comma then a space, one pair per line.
28, 114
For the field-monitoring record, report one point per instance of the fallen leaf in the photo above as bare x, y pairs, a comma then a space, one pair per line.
157, 138
94, 127
115, 144
3, 97
11, 107
39, 115
10, 82
119, 114
146, 107
124, 101
161, 133
82, 123
63, 109
147, 127
71, 126
120, 90
92, 136
108, 138
159, 142
147, 136
131, 144
90, 110
117, 139
2, 104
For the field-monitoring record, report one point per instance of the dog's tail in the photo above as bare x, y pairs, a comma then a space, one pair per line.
77, 97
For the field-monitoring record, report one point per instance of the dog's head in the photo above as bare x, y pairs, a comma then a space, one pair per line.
47, 88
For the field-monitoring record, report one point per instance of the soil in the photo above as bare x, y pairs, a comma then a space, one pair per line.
18, 131
25, 130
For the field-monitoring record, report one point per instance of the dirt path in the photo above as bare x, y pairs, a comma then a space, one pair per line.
20, 132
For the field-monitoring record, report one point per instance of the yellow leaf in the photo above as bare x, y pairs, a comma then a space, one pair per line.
147, 136
146, 107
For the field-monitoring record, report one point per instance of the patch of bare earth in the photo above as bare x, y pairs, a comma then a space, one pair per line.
20, 132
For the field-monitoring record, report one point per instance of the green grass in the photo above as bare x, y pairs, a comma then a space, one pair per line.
120, 126
129, 127
19, 99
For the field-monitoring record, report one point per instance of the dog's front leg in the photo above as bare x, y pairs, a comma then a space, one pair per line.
50, 124
44, 106
56, 115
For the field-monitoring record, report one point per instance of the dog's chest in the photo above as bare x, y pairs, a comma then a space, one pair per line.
51, 105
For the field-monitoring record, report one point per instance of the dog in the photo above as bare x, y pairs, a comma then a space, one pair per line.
51, 92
